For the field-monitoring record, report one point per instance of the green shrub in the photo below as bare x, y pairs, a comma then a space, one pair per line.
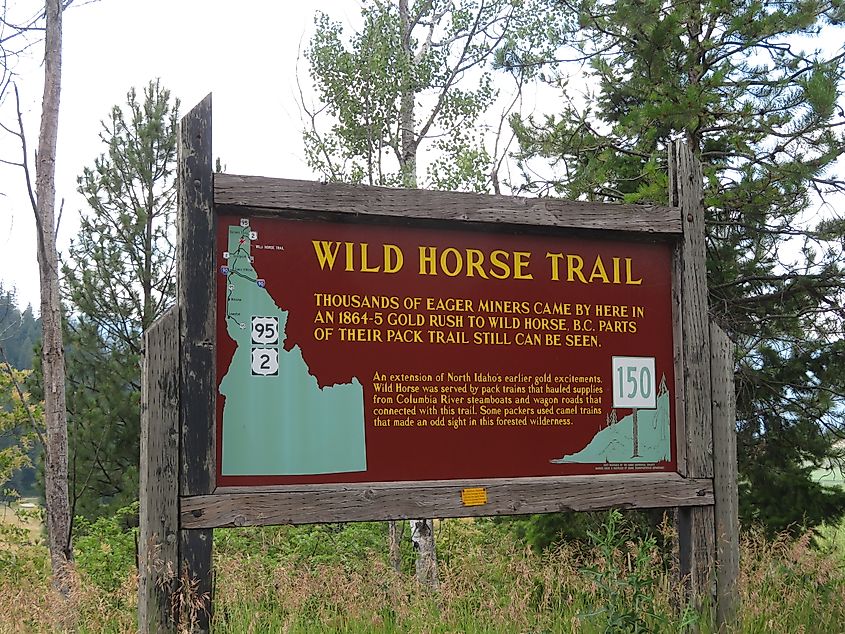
550, 530
349, 545
626, 574
104, 550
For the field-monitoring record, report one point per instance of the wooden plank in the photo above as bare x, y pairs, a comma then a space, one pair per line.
677, 339
377, 501
695, 318
725, 491
279, 194
159, 476
196, 599
696, 530
697, 552
195, 299
196, 292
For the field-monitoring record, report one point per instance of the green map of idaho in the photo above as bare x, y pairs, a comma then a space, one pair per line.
276, 418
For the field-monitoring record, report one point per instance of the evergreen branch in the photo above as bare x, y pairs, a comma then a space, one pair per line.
765, 278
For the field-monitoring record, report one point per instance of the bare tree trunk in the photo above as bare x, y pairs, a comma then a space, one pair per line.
422, 531
408, 149
394, 544
53, 358
423, 537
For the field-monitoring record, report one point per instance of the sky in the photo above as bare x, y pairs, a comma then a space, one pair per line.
244, 53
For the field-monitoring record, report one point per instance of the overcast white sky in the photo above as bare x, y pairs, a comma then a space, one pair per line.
243, 52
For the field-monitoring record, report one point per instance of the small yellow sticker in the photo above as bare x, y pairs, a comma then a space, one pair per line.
475, 496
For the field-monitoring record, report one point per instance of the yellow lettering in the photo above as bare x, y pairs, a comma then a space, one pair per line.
575, 264
393, 258
628, 274
444, 261
350, 259
326, 253
520, 261
599, 272
555, 258
364, 267
503, 265
475, 259
427, 263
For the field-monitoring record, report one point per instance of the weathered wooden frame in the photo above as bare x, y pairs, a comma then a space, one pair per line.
179, 513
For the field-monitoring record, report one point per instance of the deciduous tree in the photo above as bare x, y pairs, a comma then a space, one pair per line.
43, 199
21, 424
52, 345
21, 421
415, 77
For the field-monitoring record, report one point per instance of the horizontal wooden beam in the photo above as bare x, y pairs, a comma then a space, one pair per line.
277, 194
380, 501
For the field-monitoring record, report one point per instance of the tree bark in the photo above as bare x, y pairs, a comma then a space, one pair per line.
52, 353
422, 531
423, 537
394, 544
408, 142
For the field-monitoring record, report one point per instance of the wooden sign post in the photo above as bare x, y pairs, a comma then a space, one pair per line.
329, 339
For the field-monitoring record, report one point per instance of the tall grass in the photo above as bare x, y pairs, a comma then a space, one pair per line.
336, 579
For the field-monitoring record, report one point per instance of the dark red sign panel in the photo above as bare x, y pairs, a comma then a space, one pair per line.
355, 353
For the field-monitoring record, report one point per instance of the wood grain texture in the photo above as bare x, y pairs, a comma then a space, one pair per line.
725, 491
678, 352
196, 579
376, 501
695, 318
277, 194
159, 476
696, 530
697, 552
195, 298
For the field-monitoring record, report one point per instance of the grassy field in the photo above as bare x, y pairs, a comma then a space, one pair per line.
335, 579
24, 514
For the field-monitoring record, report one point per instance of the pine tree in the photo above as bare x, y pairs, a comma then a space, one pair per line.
119, 278
19, 331
760, 107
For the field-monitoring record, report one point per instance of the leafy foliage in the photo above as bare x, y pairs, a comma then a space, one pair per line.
18, 437
740, 82
626, 575
348, 545
409, 82
19, 332
547, 531
104, 550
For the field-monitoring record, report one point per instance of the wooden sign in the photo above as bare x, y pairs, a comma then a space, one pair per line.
351, 352
341, 353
